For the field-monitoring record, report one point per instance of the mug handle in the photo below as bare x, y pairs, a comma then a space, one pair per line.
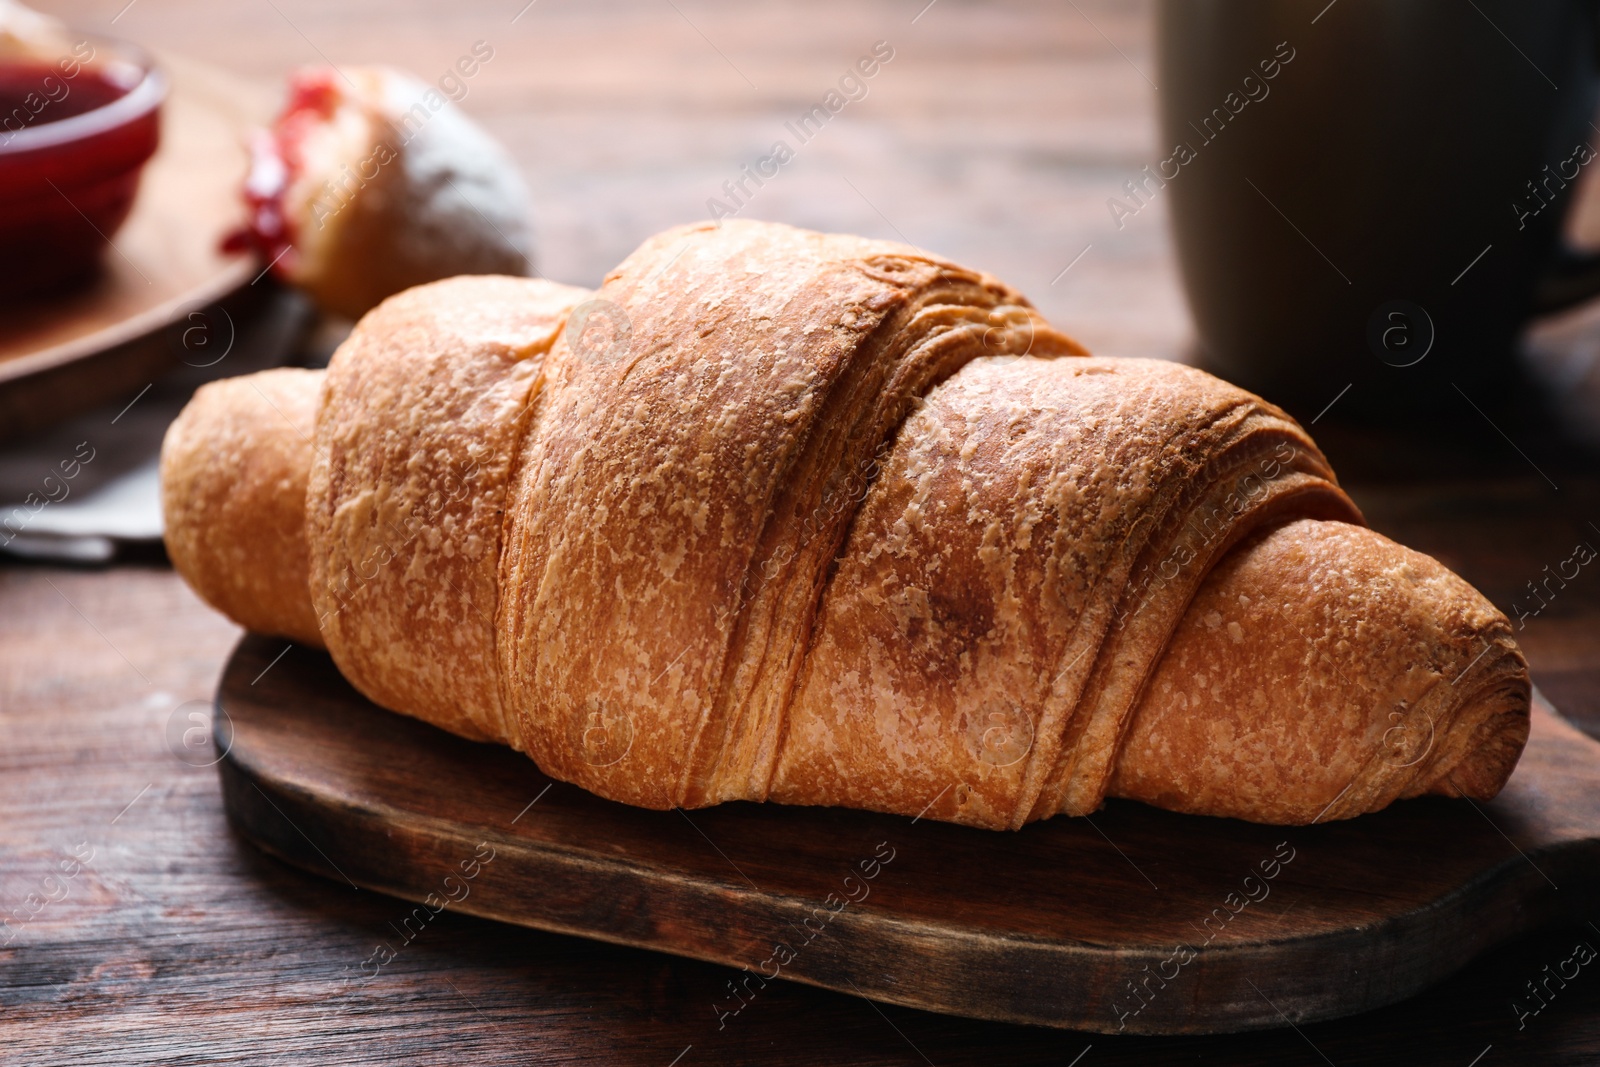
1571, 280
1575, 276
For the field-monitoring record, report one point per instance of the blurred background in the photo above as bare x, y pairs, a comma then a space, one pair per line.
995, 134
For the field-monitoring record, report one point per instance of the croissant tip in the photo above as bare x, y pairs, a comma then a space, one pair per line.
1498, 743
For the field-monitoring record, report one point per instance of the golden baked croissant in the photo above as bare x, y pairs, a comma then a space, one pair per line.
822, 520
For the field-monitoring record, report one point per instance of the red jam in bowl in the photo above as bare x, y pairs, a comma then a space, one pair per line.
75, 133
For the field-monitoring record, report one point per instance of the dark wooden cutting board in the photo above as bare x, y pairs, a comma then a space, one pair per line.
1134, 919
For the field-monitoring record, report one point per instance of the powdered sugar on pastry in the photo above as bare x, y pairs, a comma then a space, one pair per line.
371, 181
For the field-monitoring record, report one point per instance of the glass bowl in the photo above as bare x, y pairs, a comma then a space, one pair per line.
75, 133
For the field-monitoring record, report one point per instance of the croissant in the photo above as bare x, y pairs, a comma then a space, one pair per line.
778, 515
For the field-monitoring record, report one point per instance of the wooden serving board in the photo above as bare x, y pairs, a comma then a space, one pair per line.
1133, 920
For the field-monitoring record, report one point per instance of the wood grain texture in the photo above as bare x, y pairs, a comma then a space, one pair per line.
1005, 129
1132, 920
181, 942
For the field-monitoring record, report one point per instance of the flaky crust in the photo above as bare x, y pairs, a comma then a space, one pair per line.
421, 415
233, 488
1013, 576
782, 515
680, 500
1390, 674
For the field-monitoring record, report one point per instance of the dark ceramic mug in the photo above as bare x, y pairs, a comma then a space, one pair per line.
1368, 195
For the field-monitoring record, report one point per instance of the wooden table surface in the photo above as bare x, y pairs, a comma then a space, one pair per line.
994, 136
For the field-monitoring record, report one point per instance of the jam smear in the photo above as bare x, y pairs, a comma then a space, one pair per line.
275, 161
